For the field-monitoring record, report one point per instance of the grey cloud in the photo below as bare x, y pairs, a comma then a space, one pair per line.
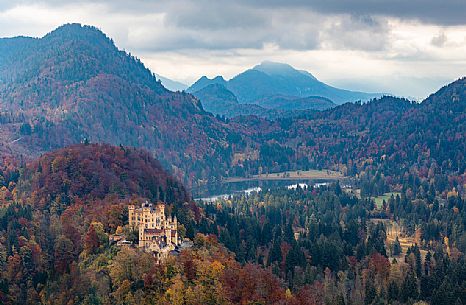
229, 26
213, 15
363, 32
291, 25
444, 12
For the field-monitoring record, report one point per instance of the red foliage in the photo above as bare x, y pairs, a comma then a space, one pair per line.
311, 295
91, 240
252, 284
93, 172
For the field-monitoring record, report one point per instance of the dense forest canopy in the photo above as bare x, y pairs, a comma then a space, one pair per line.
330, 237
94, 171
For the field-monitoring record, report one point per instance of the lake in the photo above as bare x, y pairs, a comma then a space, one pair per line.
247, 187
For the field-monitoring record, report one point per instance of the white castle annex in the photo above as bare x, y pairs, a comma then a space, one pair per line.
158, 234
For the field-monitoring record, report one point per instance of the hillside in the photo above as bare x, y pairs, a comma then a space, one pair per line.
74, 84
286, 103
390, 134
95, 171
56, 240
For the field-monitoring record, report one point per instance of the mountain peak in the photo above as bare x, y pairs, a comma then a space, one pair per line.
75, 28
280, 69
270, 67
218, 79
204, 81
77, 31
269, 79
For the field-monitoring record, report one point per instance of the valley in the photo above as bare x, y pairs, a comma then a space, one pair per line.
271, 187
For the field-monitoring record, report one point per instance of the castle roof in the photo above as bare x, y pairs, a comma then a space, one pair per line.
153, 231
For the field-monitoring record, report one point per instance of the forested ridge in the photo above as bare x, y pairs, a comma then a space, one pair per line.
58, 210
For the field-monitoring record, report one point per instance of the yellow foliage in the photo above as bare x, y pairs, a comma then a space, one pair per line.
119, 230
98, 226
452, 193
216, 268
175, 294
446, 241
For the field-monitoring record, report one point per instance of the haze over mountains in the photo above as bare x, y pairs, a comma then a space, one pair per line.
272, 86
171, 85
74, 84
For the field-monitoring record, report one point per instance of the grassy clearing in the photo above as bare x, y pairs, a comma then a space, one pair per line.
379, 199
291, 175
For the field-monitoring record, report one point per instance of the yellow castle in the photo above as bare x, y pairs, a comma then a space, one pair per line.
158, 234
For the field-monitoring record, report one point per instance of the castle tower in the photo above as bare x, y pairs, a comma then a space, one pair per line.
131, 216
157, 232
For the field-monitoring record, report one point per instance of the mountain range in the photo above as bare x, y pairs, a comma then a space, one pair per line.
275, 88
74, 85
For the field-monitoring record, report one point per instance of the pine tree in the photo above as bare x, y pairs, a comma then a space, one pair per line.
393, 291
396, 247
409, 287
371, 293
275, 253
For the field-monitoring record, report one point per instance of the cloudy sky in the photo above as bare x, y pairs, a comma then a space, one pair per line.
408, 48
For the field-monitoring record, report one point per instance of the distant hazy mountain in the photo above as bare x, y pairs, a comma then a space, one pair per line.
277, 79
220, 101
205, 81
275, 86
291, 103
171, 85
217, 99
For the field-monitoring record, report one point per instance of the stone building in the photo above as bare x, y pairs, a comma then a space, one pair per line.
158, 233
